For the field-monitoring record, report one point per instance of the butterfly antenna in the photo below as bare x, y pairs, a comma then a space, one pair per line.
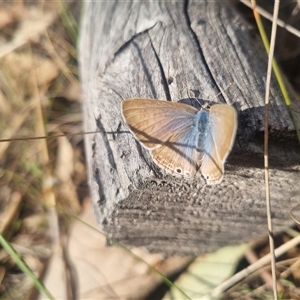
188, 91
204, 105
228, 86
193, 96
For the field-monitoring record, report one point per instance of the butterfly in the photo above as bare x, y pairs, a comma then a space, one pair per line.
183, 140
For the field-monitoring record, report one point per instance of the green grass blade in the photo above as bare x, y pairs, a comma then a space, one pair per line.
69, 21
277, 72
23, 266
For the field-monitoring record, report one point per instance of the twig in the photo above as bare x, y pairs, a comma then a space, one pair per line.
252, 268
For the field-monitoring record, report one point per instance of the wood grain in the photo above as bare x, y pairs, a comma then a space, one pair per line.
176, 51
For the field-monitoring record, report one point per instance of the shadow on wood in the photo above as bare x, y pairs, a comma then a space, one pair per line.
167, 51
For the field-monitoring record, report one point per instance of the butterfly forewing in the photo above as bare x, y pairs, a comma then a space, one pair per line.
153, 122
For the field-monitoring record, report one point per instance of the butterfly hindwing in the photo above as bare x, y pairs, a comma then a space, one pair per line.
212, 169
223, 120
222, 130
179, 154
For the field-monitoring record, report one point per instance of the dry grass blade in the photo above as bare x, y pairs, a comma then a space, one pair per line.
266, 139
254, 267
31, 27
295, 214
30, 81
66, 71
268, 16
15, 124
10, 212
48, 136
295, 266
266, 276
49, 197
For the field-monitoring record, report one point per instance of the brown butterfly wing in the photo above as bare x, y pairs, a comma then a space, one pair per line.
212, 168
179, 155
165, 128
223, 126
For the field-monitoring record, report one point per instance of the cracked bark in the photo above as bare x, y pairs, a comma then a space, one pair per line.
171, 51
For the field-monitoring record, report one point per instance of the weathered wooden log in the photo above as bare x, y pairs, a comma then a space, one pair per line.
172, 50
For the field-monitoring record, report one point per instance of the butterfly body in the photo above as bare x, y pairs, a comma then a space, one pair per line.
182, 140
202, 123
